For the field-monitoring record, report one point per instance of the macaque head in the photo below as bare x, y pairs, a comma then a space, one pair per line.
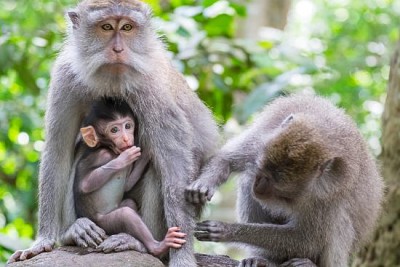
111, 37
110, 123
294, 156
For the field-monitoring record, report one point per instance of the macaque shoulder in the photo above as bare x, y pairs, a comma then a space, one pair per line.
99, 157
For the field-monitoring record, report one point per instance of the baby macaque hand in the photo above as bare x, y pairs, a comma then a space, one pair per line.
128, 156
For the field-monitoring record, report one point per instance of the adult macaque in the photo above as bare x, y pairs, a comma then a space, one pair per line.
104, 173
112, 50
309, 187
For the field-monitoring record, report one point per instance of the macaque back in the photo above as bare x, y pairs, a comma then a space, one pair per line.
336, 211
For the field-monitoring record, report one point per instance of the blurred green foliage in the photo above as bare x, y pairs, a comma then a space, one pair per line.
338, 48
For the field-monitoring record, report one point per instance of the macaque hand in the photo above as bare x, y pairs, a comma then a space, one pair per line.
121, 242
297, 262
41, 245
84, 233
199, 192
255, 262
214, 231
128, 156
175, 238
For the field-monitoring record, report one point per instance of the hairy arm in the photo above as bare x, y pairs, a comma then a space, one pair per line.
235, 156
137, 172
62, 121
108, 166
273, 237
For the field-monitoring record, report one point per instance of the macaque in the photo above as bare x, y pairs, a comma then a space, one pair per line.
309, 189
112, 50
105, 172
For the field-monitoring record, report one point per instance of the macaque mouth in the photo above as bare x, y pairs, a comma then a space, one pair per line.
116, 67
125, 148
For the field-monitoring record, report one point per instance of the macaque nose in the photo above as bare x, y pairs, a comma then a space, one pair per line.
118, 49
118, 45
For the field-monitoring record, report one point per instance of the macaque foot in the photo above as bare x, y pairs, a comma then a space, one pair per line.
84, 233
121, 242
298, 263
173, 239
41, 245
199, 192
211, 231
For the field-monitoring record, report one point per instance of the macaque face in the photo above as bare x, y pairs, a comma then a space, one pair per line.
116, 34
121, 133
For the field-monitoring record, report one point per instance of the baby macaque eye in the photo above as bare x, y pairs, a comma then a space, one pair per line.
114, 129
127, 27
107, 27
128, 126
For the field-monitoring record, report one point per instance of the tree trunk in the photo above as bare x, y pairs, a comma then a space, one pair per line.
384, 249
264, 13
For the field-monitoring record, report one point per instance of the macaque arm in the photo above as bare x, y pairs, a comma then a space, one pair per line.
272, 237
236, 155
103, 168
137, 172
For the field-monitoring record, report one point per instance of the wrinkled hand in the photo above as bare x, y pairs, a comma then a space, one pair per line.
121, 242
41, 245
126, 158
199, 192
211, 231
84, 233
298, 262
255, 262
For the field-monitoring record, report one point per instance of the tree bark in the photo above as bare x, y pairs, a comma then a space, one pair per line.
81, 257
385, 247
264, 13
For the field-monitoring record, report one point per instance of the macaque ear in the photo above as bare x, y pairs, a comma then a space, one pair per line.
89, 136
287, 120
74, 17
326, 166
334, 167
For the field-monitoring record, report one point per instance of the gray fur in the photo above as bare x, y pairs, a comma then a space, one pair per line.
332, 214
176, 128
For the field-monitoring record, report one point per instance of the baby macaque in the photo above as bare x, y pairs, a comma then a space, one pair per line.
106, 171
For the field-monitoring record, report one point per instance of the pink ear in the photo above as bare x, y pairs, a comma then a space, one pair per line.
89, 136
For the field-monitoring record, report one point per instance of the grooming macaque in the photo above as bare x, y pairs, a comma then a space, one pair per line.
112, 51
309, 188
105, 172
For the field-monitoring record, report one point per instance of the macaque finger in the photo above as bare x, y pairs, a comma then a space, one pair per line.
97, 237
80, 242
202, 236
48, 247
177, 234
15, 257
174, 245
203, 194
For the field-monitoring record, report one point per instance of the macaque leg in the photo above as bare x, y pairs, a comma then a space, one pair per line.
126, 220
129, 203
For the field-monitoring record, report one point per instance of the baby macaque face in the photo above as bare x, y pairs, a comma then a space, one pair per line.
120, 132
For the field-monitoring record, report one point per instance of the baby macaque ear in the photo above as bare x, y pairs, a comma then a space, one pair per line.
89, 136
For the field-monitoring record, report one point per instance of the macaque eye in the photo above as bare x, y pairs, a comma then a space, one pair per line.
128, 126
114, 129
107, 27
127, 27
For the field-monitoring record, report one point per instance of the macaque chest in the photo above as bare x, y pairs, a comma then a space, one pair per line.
110, 195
